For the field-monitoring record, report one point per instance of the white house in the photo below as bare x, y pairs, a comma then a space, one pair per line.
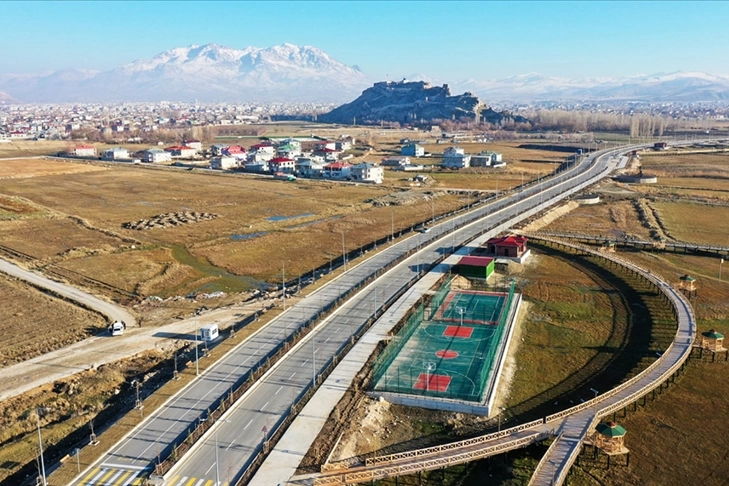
324, 145
366, 172
413, 150
217, 149
487, 159
455, 158
223, 162
261, 153
308, 167
256, 165
395, 161
155, 155
84, 151
336, 170
281, 164
192, 143
182, 151
235, 151
115, 153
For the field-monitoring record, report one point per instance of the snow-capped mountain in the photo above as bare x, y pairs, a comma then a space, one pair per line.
206, 73
678, 86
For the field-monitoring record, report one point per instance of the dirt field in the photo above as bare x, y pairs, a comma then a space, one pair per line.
33, 323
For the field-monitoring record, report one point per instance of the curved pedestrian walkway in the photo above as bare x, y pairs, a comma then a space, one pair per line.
570, 426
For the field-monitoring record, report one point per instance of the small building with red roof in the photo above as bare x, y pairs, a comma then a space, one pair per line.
336, 170
282, 164
84, 151
181, 151
511, 246
475, 267
192, 143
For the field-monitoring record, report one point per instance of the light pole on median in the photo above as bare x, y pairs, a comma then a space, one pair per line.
40, 446
217, 467
283, 283
344, 254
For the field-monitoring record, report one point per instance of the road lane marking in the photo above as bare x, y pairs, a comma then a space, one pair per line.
292, 375
249, 423
211, 466
106, 476
229, 445
264, 406
191, 482
124, 466
279, 388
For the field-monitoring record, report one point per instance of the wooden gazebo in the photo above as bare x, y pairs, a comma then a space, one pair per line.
688, 284
609, 438
712, 341
608, 246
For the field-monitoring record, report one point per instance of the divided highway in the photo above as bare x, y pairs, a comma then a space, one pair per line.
239, 436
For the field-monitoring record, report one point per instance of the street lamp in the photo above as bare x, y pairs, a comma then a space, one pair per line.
461, 311
594, 405
344, 255
40, 446
501, 413
283, 284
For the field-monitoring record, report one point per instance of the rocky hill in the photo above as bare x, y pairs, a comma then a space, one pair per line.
414, 102
406, 102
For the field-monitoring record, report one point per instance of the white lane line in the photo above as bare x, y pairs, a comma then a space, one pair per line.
211, 466
131, 479
279, 388
249, 423
264, 406
292, 375
113, 479
183, 481
229, 445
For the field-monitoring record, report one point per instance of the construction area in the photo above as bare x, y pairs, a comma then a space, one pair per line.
449, 350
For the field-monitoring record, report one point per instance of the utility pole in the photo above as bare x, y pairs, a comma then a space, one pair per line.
283, 284
392, 227
197, 367
40, 445
344, 254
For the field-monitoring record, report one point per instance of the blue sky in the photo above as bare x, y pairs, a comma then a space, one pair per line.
443, 40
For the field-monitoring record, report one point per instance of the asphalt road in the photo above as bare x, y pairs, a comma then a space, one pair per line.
241, 435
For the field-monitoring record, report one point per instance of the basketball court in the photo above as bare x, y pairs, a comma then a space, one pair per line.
447, 350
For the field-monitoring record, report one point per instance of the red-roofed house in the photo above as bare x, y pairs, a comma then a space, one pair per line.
512, 246
475, 266
281, 164
337, 170
84, 151
235, 151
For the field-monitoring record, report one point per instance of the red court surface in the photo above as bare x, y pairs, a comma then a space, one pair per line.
437, 383
458, 331
446, 354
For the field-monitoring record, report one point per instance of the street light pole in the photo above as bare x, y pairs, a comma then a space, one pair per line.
344, 255
283, 284
40, 445
197, 367
392, 226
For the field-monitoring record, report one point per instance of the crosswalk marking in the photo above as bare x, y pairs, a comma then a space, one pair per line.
111, 477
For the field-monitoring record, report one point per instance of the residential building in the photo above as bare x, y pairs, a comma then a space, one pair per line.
155, 155
223, 162
261, 152
217, 149
367, 172
326, 144
115, 153
181, 151
455, 158
84, 151
256, 165
342, 145
289, 150
336, 170
487, 159
281, 164
236, 151
395, 161
512, 246
309, 167
410, 167
413, 150
192, 143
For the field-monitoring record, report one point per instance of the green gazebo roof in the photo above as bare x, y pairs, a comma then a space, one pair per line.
688, 278
610, 429
713, 334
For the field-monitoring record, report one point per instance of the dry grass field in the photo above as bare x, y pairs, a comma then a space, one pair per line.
696, 223
34, 323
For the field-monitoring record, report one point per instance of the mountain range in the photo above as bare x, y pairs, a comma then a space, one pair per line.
289, 73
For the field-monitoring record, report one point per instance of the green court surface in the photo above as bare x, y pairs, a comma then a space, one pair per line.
441, 357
